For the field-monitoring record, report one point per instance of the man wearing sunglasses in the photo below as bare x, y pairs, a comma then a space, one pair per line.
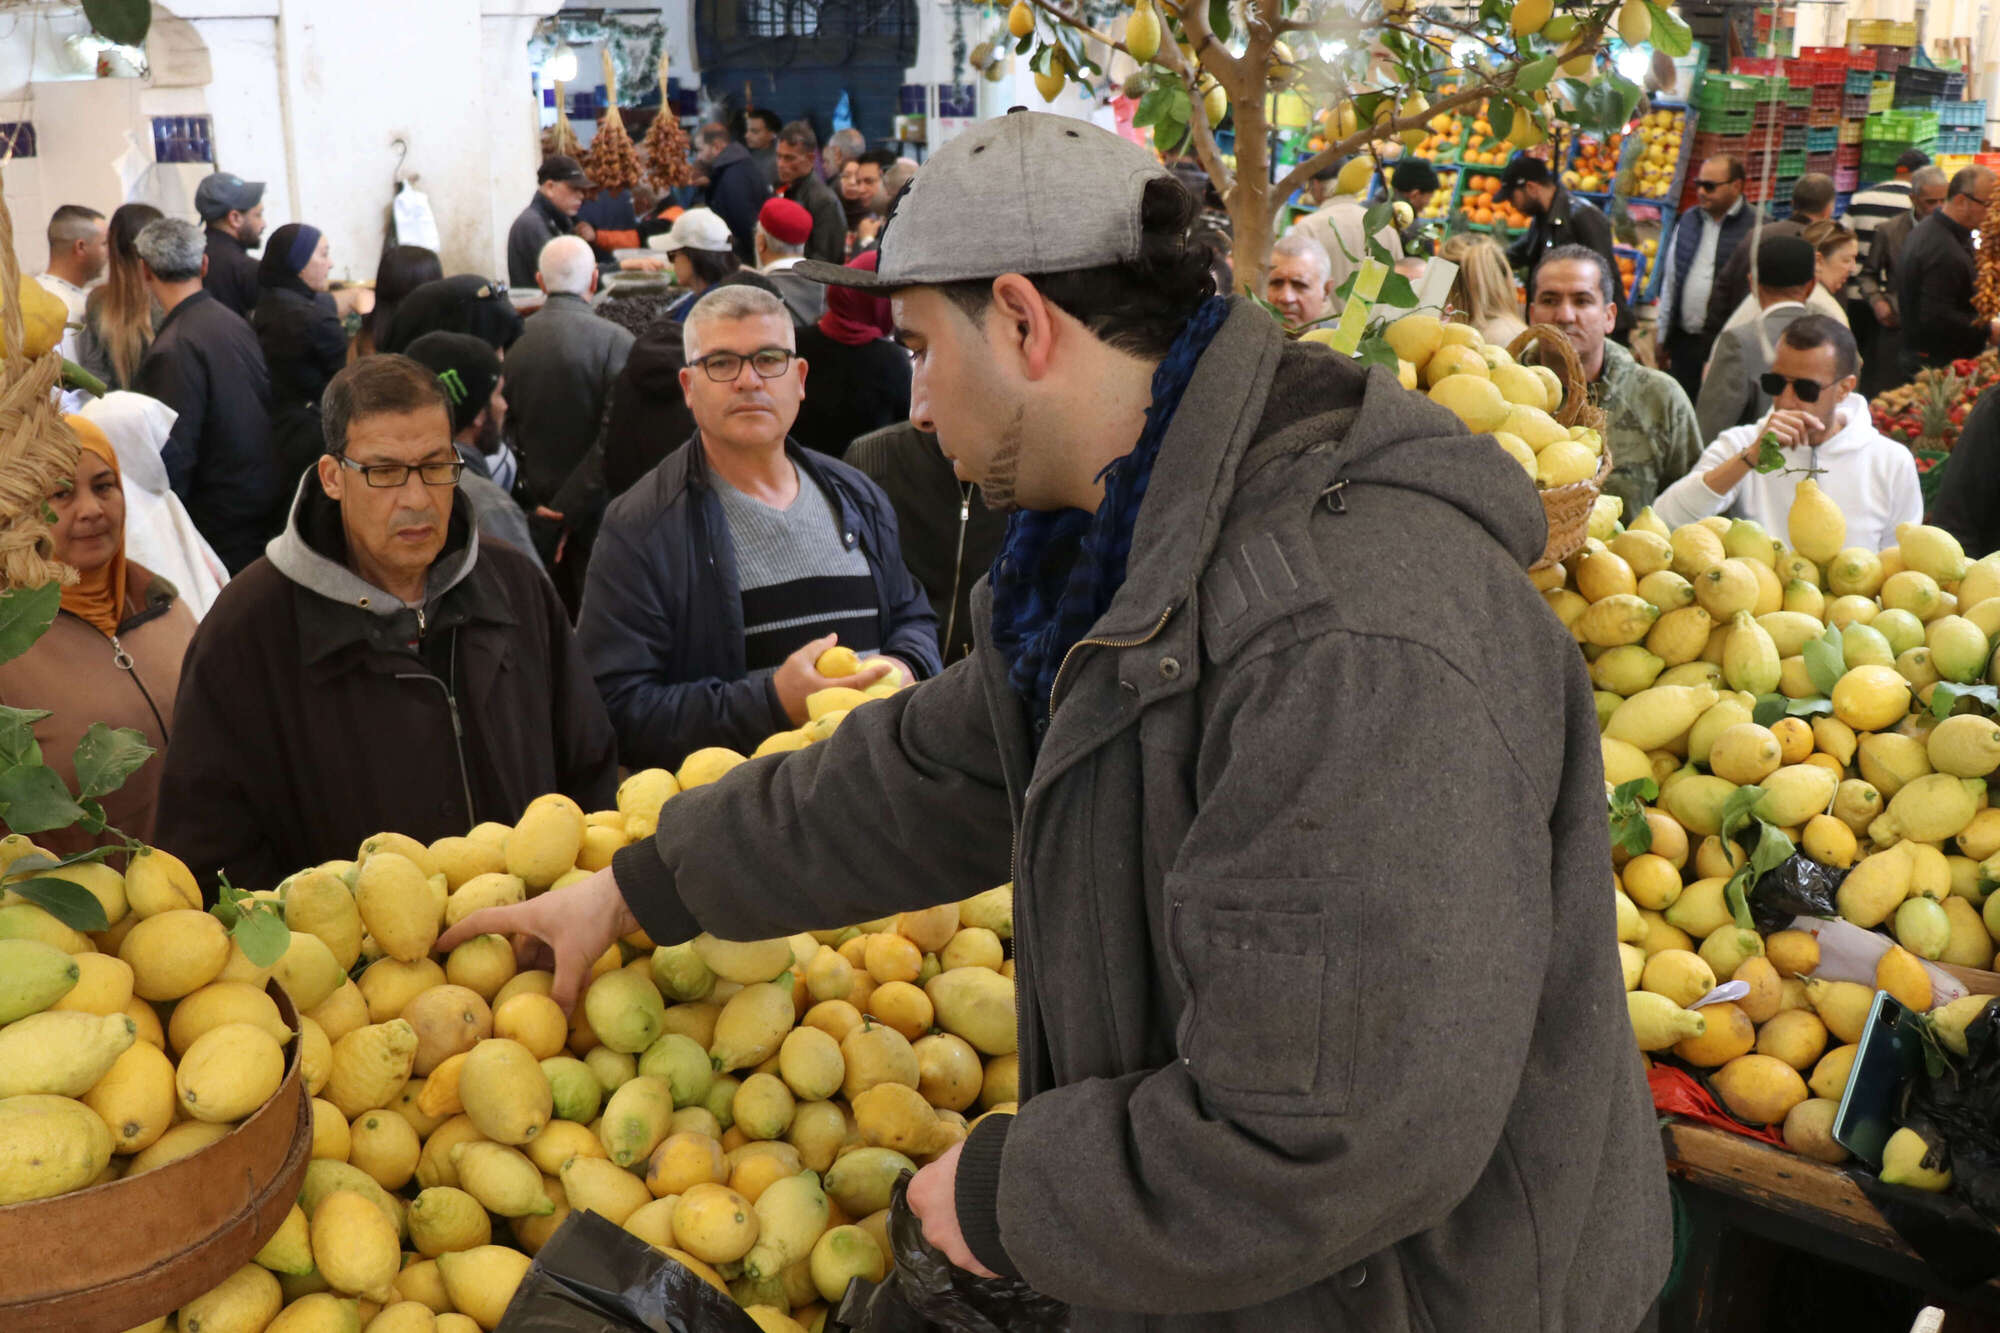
381, 667
722, 575
1823, 429
1697, 252
1934, 288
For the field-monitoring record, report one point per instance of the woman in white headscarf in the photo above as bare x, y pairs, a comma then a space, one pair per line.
158, 532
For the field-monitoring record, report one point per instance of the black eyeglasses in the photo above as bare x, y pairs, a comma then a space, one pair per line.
768, 362
388, 476
1808, 391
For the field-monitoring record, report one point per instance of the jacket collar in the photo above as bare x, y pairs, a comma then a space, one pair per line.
187, 303
556, 217
1189, 494
559, 299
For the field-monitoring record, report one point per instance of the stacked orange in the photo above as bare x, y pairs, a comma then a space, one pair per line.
1596, 165
1482, 209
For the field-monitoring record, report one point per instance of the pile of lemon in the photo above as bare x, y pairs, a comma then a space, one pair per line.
743, 1106
1693, 634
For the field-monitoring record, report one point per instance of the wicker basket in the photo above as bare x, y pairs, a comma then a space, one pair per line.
1567, 507
112, 1256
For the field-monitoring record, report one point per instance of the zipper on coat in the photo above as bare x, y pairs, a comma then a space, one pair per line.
1056, 684
457, 724
123, 661
958, 565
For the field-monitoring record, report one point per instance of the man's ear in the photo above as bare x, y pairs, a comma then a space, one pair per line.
204, 266
332, 478
594, 275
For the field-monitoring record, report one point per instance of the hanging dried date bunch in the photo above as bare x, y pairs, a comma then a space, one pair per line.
1986, 294
612, 162
666, 143
559, 137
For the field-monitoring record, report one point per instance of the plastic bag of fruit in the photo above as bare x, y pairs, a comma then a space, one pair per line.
927, 1293
593, 1276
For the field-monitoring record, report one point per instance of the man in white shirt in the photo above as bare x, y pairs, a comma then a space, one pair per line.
1700, 247
77, 255
1730, 394
1822, 428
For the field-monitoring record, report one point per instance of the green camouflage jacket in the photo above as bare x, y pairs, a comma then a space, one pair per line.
1650, 429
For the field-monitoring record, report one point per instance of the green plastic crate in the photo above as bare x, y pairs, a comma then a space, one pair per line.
1900, 126
1725, 92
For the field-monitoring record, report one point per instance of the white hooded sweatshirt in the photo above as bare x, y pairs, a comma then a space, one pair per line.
1872, 478
158, 532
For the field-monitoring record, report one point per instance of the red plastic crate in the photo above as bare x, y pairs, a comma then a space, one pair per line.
1855, 107
1821, 164
1806, 73
1828, 96
1847, 57
1763, 67
1889, 59
1847, 156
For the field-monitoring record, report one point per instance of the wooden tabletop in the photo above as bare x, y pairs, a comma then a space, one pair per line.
1781, 1181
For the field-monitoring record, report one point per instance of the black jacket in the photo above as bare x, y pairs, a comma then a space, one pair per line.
736, 190
662, 620
1735, 229
1934, 293
850, 391
647, 416
232, 273
1570, 221
304, 347
948, 535
559, 373
537, 224
308, 720
206, 365
1732, 280
1968, 498
829, 234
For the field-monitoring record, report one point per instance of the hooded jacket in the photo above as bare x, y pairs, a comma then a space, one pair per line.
316, 709
662, 619
82, 676
1872, 479
737, 188
647, 413
1325, 734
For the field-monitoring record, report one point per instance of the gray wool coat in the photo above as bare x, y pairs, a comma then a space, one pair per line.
1321, 1025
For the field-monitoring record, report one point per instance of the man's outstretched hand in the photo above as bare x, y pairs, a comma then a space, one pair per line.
567, 929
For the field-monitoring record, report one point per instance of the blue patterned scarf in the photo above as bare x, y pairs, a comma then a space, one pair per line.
1058, 570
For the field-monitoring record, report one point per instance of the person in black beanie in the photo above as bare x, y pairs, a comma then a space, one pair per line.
469, 372
466, 303
1413, 182
1730, 395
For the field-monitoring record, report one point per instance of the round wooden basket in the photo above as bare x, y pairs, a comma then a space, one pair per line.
1567, 507
115, 1255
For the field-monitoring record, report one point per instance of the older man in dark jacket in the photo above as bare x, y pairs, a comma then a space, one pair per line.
558, 377
721, 578
1235, 738
381, 667
560, 189
736, 187
1934, 290
205, 363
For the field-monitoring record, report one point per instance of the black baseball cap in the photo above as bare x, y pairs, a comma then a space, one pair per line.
1413, 173
1524, 169
221, 194
561, 167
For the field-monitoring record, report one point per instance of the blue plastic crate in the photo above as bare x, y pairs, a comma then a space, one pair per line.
1970, 115
1822, 140
1959, 142
1859, 81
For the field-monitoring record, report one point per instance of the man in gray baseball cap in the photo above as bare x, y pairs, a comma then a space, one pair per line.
233, 210
1264, 724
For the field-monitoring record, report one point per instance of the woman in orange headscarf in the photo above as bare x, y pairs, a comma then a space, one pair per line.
113, 654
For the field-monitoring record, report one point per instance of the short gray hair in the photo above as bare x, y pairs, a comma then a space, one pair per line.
565, 265
1968, 182
1296, 246
172, 248
735, 301
1925, 177
849, 143
778, 247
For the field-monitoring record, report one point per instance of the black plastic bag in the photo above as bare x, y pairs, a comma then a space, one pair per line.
1957, 1111
927, 1293
1799, 886
593, 1276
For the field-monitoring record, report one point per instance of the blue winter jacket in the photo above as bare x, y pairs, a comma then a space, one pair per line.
662, 619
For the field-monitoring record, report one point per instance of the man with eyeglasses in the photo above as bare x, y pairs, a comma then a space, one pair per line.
1823, 429
381, 667
1698, 250
721, 577
1934, 289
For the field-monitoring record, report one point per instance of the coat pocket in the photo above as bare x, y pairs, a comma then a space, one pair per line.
1270, 1005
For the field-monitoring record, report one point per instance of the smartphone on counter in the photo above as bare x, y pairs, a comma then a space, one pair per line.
1871, 1105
